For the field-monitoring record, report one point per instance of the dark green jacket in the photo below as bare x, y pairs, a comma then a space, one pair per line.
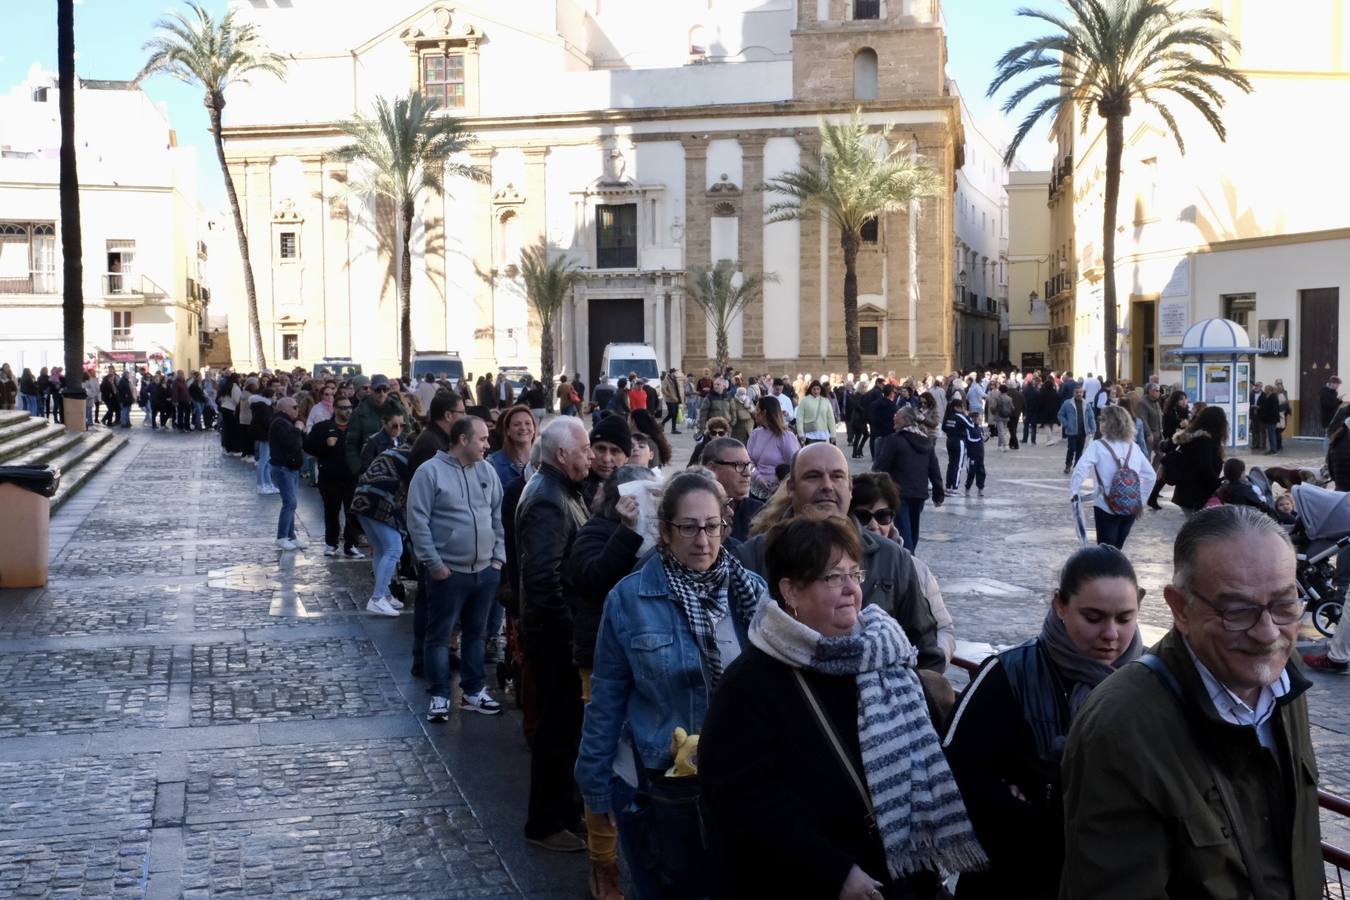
1143, 817
365, 422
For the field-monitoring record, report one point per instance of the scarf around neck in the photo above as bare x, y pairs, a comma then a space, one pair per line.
1081, 671
919, 811
707, 597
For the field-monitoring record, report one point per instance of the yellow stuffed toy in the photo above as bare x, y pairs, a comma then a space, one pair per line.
684, 748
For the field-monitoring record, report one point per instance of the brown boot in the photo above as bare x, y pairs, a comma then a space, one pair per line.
605, 880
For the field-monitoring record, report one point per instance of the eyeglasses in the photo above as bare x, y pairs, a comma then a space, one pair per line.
394, 425
837, 580
717, 433
691, 529
745, 468
883, 516
1245, 617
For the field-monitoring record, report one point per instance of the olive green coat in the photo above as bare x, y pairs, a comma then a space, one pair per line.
1143, 815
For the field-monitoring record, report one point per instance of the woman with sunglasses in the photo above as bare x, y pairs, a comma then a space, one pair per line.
667, 633
1007, 735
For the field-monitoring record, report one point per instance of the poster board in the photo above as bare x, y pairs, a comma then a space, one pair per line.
1218, 390
1190, 381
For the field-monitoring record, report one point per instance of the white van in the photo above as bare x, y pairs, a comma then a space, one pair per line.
445, 366
621, 359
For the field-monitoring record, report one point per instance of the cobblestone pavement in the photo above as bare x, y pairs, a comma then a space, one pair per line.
185, 712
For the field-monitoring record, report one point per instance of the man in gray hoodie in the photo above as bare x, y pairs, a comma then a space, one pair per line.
454, 517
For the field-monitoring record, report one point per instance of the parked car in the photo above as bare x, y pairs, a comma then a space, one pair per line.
621, 359
338, 366
444, 365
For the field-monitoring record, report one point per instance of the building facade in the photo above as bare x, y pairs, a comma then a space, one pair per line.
1231, 204
980, 222
144, 292
1029, 254
632, 137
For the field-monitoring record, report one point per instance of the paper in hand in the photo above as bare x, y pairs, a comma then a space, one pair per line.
648, 494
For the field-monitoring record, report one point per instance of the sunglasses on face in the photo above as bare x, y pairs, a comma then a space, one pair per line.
883, 516
718, 433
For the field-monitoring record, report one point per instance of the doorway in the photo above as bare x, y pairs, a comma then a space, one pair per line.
611, 320
1318, 347
1143, 340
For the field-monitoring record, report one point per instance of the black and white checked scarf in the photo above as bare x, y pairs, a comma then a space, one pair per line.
706, 597
919, 811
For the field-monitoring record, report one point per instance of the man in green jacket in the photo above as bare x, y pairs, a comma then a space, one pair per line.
368, 419
1192, 775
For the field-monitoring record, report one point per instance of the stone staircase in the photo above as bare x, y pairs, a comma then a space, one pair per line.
25, 440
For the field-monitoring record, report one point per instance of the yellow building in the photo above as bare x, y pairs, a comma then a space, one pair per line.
1029, 253
1256, 190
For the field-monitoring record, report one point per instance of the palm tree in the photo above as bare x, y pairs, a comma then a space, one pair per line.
1105, 55
72, 291
858, 177
723, 299
215, 53
405, 149
547, 284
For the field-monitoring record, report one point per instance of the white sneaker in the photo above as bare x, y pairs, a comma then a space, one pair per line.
379, 606
439, 709
300, 542
330, 550
353, 553
286, 544
273, 489
480, 702
394, 601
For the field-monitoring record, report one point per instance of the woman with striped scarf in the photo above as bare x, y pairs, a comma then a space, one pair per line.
823, 773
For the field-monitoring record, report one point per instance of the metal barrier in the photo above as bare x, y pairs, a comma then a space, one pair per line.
1336, 859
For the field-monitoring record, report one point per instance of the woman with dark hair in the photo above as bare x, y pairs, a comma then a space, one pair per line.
646, 423
823, 773
1176, 411
667, 634
771, 443
1008, 733
815, 415
516, 431
1198, 460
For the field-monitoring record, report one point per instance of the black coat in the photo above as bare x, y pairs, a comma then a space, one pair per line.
1338, 460
286, 442
1199, 466
1268, 409
332, 460
603, 553
1047, 406
784, 815
911, 461
547, 521
261, 426
1328, 401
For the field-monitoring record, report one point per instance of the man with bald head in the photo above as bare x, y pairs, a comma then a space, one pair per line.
1193, 774
285, 439
819, 484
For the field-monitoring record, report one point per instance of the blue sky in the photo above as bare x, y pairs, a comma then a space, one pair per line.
109, 35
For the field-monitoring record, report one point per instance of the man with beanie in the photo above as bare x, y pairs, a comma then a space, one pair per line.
611, 444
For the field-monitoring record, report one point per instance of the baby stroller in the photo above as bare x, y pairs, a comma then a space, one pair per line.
1323, 531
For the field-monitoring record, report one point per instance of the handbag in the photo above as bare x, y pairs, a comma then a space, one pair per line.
670, 837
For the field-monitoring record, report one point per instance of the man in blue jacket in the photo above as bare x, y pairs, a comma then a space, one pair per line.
1077, 421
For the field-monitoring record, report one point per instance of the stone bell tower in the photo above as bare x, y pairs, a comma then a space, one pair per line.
846, 50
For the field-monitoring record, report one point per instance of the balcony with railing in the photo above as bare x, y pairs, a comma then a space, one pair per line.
32, 283
121, 339
1060, 334
130, 285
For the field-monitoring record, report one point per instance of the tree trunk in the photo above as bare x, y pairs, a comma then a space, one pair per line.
849, 242
214, 105
72, 263
546, 361
1115, 144
405, 294
723, 348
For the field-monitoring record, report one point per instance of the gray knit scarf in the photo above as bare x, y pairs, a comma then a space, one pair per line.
922, 819
705, 597
1081, 671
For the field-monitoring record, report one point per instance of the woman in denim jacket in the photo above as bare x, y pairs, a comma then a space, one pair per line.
667, 633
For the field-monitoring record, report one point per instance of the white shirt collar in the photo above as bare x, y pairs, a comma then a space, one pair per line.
1234, 710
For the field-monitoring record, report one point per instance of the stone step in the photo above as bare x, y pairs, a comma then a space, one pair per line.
20, 438
47, 450
79, 463
10, 416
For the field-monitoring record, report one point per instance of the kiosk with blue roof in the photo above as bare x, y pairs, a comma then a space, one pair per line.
1216, 367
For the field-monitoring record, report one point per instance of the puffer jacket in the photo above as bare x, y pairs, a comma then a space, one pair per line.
911, 460
1143, 815
1195, 469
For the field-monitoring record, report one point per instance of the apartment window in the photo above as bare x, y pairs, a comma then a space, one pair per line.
1241, 308
869, 336
27, 258
443, 79
867, 9
288, 245
121, 329
865, 80
616, 236
290, 346
869, 231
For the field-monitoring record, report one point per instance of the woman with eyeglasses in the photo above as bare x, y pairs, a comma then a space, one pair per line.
823, 772
1009, 729
667, 633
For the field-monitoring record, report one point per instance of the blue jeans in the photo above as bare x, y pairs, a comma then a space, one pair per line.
907, 517
263, 451
1028, 431
288, 482
1112, 529
464, 597
386, 547
197, 415
1273, 441
149, 414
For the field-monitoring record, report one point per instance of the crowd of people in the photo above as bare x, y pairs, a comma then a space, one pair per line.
732, 673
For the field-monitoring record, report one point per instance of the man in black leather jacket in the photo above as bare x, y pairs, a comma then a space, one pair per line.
550, 513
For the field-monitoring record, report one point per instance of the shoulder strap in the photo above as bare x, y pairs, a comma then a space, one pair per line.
1154, 664
827, 728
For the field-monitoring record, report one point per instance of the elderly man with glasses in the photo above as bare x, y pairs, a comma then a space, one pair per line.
1192, 774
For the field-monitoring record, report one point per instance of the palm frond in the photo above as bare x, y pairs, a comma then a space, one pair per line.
721, 297
548, 282
215, 53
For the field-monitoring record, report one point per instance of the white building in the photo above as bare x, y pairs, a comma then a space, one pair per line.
632, 135
980, 219
139, 222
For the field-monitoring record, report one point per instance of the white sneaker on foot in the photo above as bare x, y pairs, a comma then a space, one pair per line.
330, 550
353, 553
300, 542
286, 544
480, 702
394, 601
439, 710
379, 606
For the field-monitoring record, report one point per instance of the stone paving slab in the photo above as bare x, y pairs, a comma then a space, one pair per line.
104, 866
76, 794
84, 690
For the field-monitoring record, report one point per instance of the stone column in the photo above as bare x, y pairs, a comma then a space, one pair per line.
752, 238
697, 239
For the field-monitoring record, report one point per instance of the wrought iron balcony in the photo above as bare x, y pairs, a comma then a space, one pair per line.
32, 283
